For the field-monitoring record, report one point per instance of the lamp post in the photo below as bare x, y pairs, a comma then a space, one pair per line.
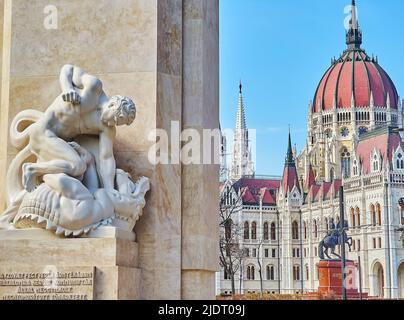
342, 233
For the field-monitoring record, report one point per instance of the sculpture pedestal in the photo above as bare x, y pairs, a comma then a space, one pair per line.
99, 268
330, 278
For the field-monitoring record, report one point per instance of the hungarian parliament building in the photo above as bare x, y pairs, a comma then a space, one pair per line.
354, 140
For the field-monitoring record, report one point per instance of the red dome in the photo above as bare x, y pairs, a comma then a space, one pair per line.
355, 72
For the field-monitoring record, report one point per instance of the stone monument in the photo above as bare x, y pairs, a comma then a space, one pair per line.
73, 187
164, 55
330, 270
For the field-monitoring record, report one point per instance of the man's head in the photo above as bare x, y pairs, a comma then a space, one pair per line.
120, 111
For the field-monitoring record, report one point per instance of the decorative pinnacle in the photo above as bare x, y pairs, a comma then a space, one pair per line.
241, 122
354, 34
289, 156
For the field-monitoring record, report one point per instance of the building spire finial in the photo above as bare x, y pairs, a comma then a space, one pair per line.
354, 34
241, 121
289, 156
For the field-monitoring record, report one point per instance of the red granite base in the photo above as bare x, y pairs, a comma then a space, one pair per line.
330, 278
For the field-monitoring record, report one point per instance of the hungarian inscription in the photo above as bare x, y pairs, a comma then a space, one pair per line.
47, 283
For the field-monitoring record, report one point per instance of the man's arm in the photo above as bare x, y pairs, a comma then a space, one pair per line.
107, 166
69, 93
72, 77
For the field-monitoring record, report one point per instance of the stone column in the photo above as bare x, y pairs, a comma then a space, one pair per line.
163, 54
200, 236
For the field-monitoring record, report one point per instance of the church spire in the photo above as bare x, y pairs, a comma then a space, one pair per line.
354, 34
242, 164
240, 122
290, 178
290, 161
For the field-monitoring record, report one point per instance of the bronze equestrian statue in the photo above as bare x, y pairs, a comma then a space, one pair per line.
332, 239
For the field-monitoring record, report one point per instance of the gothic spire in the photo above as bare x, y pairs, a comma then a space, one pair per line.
290, 178
290, 161
240, 122
354, 33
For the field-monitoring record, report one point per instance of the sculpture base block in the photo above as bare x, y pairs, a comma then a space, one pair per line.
330, 278
25, 262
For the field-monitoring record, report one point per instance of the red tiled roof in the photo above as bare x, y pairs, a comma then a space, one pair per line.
290, 179
327, 190
355, 72
267, 198
324, 191
386, 141
253, 189
310, 179
248, 197
258, 183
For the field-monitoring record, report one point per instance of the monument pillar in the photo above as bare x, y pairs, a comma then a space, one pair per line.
164, 55
200, 237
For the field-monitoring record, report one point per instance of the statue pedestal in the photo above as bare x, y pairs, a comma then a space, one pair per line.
97, 268
330, 278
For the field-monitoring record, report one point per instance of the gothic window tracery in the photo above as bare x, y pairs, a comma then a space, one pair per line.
376, 165
363, 130
355, 168
266, 231
400, 161
295, 230
345, 132
270, 272
345, 162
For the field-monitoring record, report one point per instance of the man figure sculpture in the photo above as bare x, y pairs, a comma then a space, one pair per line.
74, 184
82, 109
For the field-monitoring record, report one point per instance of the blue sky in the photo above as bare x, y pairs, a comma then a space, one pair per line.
280, 50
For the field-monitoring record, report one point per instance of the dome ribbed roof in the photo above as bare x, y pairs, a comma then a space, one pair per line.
355, 75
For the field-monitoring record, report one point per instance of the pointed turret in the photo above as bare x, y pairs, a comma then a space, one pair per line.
388, 101
353, 100
289, 155
354, 33
242, 163
240, 121
290, 178
310, 178
372, 99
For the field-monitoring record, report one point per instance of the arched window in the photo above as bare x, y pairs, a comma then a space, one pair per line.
375, 163
228, 227
296, 273
379, 215
250, 273
305, 229
346, 162
358, 217
400, 161
307, 272
373, 215
246, 230
295, 230
266, 231
315, 229
326, 225
270, 273
332, 175
254, 230
273, 231
355, 168
353, 220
